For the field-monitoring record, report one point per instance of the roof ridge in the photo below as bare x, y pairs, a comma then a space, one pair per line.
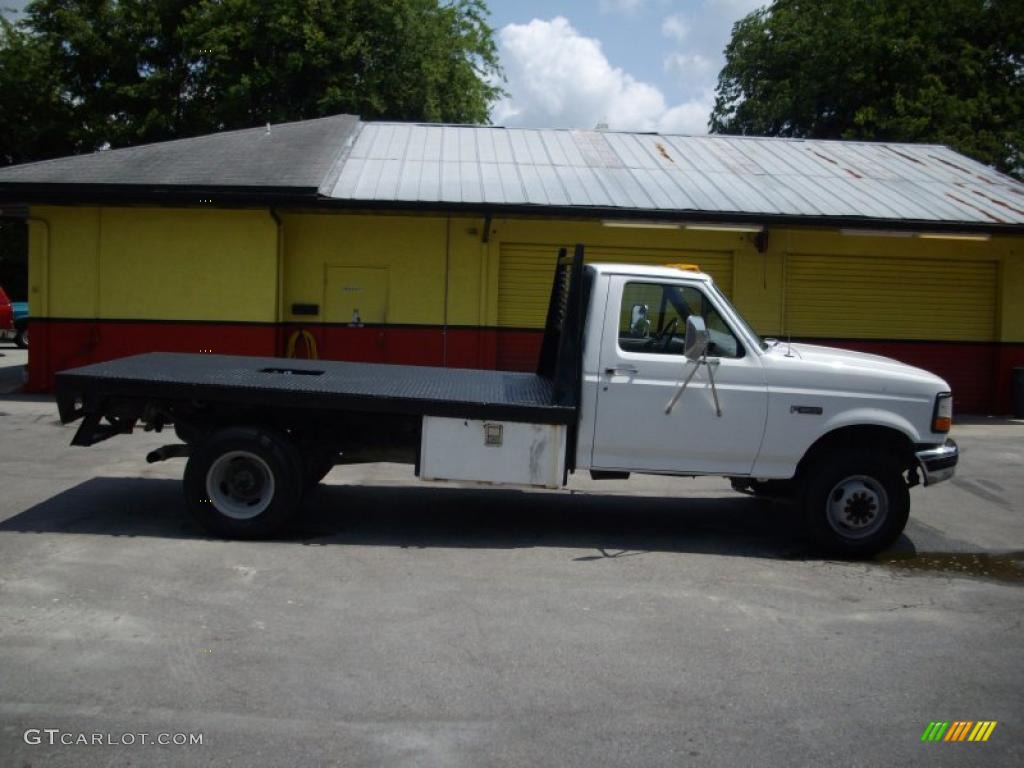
627, 132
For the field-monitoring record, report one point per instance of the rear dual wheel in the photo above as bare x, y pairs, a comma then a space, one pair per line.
244, 482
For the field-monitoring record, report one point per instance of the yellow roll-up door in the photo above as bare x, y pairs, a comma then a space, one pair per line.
868, 297
525, 274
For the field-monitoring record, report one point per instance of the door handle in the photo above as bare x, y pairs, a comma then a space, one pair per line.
621, 370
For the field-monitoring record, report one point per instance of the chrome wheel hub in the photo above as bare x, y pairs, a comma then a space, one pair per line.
857, 506
240, 485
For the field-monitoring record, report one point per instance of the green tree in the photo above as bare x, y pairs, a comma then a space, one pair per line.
398, 59
944, 71
78, 75
35, 119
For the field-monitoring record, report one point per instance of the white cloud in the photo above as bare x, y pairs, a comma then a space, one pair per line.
698, 40
622, 6
558, 78
690, 117
687, 64
675, 27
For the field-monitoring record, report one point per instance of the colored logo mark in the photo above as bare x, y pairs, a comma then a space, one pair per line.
959, 730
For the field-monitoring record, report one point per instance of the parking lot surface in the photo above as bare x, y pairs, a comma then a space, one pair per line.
655, 622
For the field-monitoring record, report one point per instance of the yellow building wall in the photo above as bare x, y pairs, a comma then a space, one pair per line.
417, 248
223, 265
916, 251
1011, 287
566, 233
241, 266
153, 264
411, 248
64, 273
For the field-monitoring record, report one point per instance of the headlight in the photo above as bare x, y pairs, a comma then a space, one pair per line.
942, 418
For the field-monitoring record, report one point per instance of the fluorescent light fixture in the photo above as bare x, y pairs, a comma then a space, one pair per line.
639, 224
876, 232
702, 226
981, 237
712, 227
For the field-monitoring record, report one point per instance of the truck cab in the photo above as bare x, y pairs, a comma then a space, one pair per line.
777, 418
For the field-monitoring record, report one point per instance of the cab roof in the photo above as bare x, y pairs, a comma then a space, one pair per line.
647, 270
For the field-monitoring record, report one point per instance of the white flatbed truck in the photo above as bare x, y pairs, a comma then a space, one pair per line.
642, 370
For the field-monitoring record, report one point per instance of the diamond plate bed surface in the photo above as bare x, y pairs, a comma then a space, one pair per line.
321, 383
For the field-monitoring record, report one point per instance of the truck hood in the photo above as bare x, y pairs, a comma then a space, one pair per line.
859, 365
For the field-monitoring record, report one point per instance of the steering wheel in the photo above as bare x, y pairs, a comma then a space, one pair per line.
665, 337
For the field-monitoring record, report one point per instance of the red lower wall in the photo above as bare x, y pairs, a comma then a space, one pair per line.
978, 373
60, 344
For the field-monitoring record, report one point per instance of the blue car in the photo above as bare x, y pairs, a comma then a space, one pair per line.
20, 311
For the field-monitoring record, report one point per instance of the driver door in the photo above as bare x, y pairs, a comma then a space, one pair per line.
642, 364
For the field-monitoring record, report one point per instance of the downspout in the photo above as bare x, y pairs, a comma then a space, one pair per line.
44, 282
447, 280
279, 285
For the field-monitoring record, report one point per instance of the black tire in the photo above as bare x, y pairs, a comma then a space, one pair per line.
855, 506
243, 482
21, 337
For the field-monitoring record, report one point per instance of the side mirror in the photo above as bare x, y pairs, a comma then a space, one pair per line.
697, 337
639, 323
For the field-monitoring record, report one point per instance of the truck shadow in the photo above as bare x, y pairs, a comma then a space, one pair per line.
603, 525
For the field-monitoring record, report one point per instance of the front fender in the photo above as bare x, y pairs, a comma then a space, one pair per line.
789, 435
870, 417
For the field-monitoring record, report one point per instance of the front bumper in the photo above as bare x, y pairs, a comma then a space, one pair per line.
938, 462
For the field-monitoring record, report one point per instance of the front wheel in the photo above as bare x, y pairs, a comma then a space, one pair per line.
855, 506
21, 337
243, 482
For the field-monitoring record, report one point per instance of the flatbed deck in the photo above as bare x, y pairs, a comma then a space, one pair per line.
321, 384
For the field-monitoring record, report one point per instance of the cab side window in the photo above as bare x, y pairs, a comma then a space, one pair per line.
652, 319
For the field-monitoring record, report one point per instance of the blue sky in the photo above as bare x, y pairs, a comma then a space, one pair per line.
633, 64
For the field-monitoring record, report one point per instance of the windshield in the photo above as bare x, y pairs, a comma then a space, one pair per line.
739, 319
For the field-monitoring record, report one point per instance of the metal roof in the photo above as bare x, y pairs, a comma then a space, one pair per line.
691, 175
341, 161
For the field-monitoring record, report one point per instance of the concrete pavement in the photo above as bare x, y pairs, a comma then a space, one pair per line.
655, 622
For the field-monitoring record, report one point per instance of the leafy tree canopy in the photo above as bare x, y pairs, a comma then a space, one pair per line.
77, 75
943, 71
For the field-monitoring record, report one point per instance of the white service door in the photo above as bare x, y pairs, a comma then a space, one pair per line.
641, 367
